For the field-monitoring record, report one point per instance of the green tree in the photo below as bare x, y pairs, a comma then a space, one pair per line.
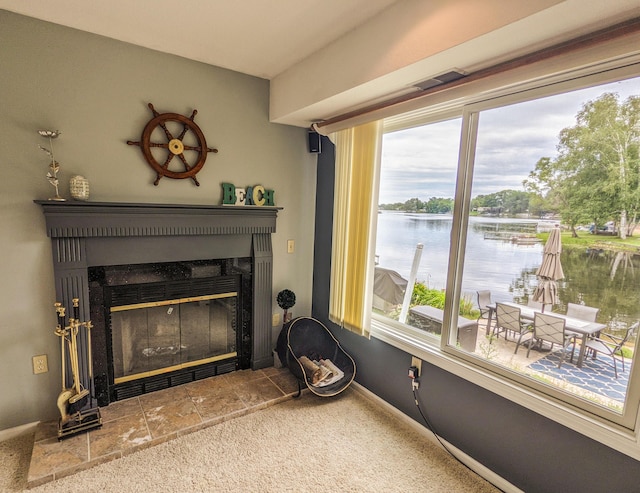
505, 201
596, 173
604, 144
515, 201
437, 205
413, 205
538, 205
397, 206
557, 182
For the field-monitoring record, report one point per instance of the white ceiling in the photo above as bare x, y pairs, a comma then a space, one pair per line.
327, 57
256, 37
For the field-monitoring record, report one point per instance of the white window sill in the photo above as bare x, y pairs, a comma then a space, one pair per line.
594, 427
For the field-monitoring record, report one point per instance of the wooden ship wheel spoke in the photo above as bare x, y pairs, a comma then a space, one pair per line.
175, 146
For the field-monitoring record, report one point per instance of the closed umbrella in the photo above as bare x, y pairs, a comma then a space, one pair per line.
549, 271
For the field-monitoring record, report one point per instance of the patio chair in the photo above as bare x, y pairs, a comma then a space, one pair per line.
582, 312
612, 345
484, 300
508, 319
551, 329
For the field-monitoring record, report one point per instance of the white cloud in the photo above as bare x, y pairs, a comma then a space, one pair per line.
422, 162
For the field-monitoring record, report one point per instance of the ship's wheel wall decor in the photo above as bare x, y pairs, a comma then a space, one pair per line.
170, 135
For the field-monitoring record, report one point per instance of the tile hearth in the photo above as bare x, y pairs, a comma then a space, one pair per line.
133, 424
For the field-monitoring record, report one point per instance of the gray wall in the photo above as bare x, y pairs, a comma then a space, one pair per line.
95, 90
530, 451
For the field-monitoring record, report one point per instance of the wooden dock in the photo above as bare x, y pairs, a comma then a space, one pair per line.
513, 237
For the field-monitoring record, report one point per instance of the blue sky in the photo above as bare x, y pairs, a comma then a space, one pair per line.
421, 162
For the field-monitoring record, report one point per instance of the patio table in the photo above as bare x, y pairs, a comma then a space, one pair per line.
582, 328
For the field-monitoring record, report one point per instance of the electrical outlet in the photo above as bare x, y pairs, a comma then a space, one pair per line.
417, 362
291, 246
40, 364
275, 319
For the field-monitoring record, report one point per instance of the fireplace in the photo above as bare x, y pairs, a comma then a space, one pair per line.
169, 323
175, 292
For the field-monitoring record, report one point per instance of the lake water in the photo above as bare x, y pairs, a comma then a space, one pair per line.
507, 268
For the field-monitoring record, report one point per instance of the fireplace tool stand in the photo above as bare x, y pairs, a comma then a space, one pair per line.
72, 400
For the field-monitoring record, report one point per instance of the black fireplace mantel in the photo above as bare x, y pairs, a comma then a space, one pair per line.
109, 219
89, 234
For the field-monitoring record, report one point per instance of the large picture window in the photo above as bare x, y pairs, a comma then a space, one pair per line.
498, 178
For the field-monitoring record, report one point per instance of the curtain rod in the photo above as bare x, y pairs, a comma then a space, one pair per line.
630, 26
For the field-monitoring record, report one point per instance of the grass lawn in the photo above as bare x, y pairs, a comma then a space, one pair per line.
587, 240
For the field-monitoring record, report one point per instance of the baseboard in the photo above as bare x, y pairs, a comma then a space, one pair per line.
470, 462
17, 431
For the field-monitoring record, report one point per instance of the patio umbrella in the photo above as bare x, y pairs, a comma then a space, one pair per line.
549, 271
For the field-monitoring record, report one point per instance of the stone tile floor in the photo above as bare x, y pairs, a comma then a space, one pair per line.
133, 424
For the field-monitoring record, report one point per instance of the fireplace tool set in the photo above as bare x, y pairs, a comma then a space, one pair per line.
72, 400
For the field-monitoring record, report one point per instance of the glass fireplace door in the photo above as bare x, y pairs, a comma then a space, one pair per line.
153, 338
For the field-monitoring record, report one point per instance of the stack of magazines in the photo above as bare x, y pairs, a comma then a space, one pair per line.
322, 372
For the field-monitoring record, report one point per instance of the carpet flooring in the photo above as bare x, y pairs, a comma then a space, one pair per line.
345, 444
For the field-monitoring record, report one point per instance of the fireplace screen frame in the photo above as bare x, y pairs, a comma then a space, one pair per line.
156, 283
171, 346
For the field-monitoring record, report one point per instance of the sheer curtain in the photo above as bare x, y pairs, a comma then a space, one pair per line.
354, 219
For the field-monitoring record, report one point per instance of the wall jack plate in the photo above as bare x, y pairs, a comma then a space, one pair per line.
417, 362
40, 364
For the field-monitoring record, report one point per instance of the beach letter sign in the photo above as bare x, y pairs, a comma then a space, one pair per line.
255, 195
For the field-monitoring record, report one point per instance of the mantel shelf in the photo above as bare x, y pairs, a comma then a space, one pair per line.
107, 219
73, 204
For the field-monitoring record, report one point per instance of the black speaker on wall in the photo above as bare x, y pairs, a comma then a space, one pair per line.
314, 142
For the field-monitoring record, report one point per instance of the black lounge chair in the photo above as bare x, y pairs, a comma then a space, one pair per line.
305, 340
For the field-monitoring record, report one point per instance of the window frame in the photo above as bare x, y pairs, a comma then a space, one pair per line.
618, 431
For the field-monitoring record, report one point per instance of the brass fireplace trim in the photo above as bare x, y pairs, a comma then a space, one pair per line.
169, 369
177, 301
181, 366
